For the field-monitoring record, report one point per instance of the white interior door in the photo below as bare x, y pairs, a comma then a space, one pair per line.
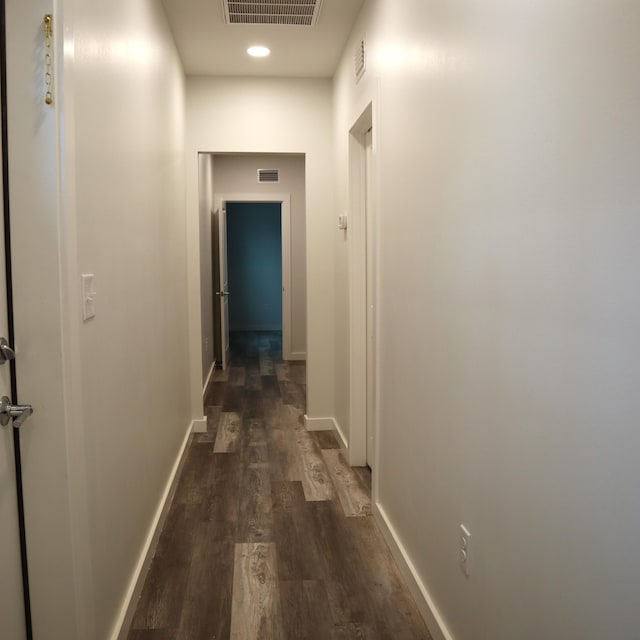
223, 289
33, 191
371, 331
12, 622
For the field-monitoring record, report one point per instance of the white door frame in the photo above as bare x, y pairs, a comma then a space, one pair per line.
371, 304
223, 284
357, 238
284, 199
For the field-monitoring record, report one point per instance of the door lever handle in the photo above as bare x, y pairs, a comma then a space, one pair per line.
19, 412
6, 352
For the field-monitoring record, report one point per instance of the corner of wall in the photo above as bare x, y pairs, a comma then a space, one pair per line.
425, 603
326, 424
318, 424
342, 438
208, 378
199, 425
127, 610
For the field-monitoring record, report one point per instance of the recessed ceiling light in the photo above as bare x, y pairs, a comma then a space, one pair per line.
258, 51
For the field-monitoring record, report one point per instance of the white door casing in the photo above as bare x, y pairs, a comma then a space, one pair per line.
370, 242
223, 285
362, 287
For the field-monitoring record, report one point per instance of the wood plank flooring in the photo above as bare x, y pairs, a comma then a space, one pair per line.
270, 535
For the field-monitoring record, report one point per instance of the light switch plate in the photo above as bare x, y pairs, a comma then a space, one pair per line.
88, 296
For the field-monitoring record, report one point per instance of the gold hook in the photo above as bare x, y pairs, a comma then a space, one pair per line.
48, 77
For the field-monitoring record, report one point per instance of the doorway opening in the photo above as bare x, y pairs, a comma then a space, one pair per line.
246, 247
251, 178
255, 285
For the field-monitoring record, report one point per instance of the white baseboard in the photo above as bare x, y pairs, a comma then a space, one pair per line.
434, 621
318, 424
208, 380
326, 424
199, 425
128, 608
338, 429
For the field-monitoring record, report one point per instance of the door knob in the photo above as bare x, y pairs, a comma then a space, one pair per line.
6, 352
19, 412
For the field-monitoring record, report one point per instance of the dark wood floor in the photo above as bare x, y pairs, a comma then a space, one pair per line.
270, 534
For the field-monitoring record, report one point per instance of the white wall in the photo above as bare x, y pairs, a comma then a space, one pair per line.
238, 174
114, 390
291, 116
205, 196
507, 144
131, 234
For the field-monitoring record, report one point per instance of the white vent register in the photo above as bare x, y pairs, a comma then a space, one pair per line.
268, 175
302, 13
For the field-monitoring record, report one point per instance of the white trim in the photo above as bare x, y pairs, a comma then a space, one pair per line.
358, 292
326, 424
199, 425
432, 617
338, 431
284, 199
70, 314
318, 424
128, 608
297, 355
208, 380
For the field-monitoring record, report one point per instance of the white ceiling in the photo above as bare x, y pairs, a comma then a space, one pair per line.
208, 46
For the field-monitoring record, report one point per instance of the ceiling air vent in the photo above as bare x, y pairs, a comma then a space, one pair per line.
281, 12
268, 175
360, 60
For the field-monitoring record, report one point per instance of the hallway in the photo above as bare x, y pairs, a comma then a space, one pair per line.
505, 206
270, 533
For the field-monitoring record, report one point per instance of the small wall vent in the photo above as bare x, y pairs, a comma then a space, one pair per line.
360, 59
268, 175
302, 13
